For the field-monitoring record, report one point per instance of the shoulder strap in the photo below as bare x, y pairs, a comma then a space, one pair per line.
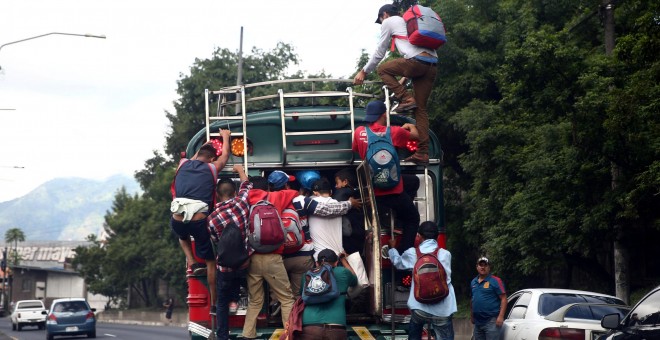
393, 46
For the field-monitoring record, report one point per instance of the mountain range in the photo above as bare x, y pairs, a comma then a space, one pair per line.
64, 209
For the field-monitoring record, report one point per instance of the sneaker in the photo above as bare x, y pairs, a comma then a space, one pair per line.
405, 105
213, 310
418, 158
233, 307
275, 308
198, 269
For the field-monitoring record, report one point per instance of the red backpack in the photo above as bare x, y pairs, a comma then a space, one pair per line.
430, 278
424, 28
265, 228
294, 237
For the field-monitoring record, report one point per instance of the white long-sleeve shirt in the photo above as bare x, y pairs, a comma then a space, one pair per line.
394, 25
447, 306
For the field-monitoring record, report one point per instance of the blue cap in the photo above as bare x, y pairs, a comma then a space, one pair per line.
307, 178
374, 109
279, 178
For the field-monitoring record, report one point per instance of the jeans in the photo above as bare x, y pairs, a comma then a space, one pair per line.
228, 285
442, 325
487, 331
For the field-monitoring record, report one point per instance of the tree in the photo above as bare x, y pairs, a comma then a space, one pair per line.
14, 235
142, 251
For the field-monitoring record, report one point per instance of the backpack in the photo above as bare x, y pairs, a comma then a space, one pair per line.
383, 160
294, 237
430, 278
231, 247
265, 231
320, 285
425, 28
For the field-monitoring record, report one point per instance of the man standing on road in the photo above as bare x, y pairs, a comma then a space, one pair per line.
488, 303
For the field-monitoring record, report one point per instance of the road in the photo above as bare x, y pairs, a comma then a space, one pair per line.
103, 331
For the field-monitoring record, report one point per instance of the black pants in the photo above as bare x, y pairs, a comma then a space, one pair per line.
406, 212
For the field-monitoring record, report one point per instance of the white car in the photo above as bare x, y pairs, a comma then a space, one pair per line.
548, 313
28, 313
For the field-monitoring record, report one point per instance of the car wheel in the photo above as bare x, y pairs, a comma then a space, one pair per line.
49, 336
19, 327
91, 334
13, 326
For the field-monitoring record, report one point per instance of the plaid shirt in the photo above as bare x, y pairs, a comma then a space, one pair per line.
234, 210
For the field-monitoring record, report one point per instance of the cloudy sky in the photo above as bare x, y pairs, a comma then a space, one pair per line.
84, 107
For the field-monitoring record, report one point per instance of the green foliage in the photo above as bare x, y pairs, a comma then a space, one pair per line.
532, 115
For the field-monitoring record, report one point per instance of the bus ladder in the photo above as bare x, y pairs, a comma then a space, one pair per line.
294, 115
222, 116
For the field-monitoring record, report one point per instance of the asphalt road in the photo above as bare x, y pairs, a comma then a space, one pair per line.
103, 331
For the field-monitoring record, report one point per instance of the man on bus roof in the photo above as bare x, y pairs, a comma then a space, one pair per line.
394, 198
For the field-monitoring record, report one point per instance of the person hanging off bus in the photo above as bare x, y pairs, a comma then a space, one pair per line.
394, 198
327, 320
193, 194
418, 64
232, 210
436, 314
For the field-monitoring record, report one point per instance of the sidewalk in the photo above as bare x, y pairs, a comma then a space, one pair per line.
152, 318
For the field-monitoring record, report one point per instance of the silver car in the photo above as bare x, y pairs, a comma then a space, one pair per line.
547, 313
71, 316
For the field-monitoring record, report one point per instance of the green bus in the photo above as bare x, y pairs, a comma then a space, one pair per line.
308, 124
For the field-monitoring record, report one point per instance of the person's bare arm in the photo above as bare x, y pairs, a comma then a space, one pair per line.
359, 77
241, 172
500, 317
414, 133
224, 157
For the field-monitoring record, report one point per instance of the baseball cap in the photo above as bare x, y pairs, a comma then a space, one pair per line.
328, 255
307, 178
374, 110
383, 9
279, 178
483, 259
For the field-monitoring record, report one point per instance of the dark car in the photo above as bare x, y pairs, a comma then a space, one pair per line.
642, 322
71, 316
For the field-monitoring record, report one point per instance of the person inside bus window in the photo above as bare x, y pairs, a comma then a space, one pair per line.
353, 233
193, 195
394, 198
326, 231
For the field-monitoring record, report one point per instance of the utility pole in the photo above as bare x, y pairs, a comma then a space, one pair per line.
621, 256
3, 266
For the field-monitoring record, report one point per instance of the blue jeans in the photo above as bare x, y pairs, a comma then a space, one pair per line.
487, 331
442, 325
227, 287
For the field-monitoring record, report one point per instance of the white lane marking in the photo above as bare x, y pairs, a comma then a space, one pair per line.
110, 335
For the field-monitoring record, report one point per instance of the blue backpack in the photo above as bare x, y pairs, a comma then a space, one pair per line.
320, 285
383, 160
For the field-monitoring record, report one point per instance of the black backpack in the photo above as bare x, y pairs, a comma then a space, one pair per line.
231, 247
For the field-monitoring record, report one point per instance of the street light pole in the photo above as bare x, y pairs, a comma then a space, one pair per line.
53, 33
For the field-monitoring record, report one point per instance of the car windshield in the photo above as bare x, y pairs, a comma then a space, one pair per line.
647, 312
29, 305
550, 302
70, 306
